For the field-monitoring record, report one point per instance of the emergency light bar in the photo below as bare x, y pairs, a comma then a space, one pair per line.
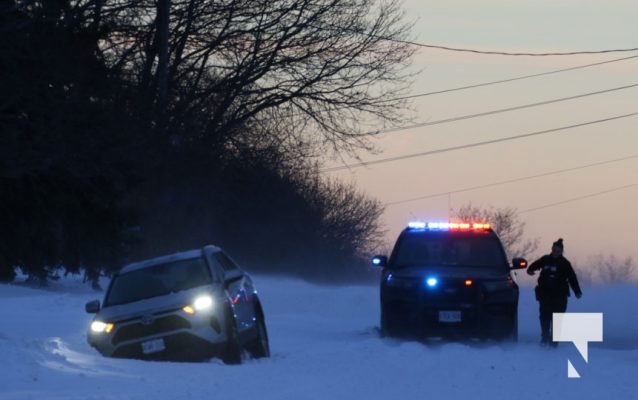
448, 225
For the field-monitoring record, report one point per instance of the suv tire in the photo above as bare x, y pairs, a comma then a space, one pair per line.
231, 354
259, 347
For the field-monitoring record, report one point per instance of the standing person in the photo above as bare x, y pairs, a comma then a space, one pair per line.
557, 275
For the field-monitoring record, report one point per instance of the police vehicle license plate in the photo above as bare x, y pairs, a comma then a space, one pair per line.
153, 346
449, 316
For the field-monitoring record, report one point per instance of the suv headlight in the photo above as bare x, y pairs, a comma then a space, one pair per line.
201, 303
101, 327
402, 283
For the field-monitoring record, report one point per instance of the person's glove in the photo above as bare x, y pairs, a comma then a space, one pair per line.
579, 295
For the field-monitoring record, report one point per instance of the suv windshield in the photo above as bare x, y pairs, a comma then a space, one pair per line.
449, 249
157, 280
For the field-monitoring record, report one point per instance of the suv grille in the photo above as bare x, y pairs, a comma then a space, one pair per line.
138, 330
452, 290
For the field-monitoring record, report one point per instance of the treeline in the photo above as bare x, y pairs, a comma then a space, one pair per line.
604, 269
135, 128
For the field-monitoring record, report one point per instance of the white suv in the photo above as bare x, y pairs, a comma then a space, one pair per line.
190, 305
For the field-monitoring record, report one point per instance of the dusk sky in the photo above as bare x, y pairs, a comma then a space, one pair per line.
598, 186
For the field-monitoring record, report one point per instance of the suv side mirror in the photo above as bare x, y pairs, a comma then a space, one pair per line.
379, 261
92, 307
519, 263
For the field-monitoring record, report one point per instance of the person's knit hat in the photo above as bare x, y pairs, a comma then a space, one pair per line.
558, 243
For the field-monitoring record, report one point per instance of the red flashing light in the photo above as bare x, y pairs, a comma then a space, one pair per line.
468, 226
481, 226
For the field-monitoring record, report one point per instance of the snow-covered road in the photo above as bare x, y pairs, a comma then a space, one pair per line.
324, 344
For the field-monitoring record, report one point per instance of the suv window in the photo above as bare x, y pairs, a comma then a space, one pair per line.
449, 249
158, 280
226, 263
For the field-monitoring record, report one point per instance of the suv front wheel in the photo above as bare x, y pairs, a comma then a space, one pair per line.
389, 327
259, 347
231, 354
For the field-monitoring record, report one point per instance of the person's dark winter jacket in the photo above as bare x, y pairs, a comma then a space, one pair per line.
556, 276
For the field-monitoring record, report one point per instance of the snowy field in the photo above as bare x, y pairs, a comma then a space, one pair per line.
324, 344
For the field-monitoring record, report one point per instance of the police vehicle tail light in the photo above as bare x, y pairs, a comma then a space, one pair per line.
468, 282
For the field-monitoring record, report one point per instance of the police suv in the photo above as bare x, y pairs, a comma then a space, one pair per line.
447, 279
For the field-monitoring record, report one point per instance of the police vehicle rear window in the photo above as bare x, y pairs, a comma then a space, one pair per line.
449, 249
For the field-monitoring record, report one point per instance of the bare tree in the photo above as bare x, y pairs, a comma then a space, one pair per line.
507, 225
605, 269
332, 67
351, 219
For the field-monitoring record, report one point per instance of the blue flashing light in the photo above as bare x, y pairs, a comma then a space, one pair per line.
376, 261
416, 225
432, 282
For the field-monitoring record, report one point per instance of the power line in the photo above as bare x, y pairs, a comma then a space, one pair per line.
493, 83
476, 51
516, 78
341, 29
483, 143
512, 180
616, 189
507, 53
502, 110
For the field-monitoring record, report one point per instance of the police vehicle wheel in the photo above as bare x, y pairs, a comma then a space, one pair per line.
512, 335
387, 327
